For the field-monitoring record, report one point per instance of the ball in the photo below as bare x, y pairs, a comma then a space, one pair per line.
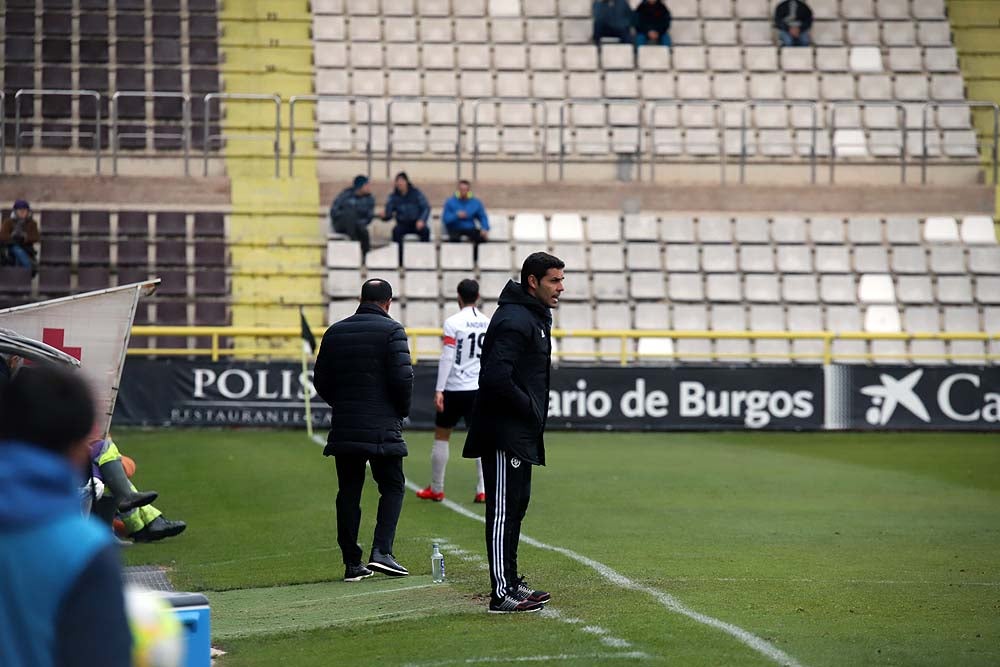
129, 466
157, 635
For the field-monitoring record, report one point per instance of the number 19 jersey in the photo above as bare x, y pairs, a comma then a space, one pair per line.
465, 332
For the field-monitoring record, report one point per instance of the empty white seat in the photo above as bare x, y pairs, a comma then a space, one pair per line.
419, 256
954, 289
978, 229
491, 283
576, 30
649, 349
579, 8
603, 228
799, 288
725, 59
947, 87
909, 259
866, 59
826, 230
756, 33
510, 57
858, 9
685, 287
832, 59
546, 57
715, 229
512, 84
651, 316
333, 54
788, 229
960, 143
941, 229
797, 60
494, 256
833, 259
863, 33
761, 58
837, 87
941, 59
723, 287
794, 259
827, 33
610, 287
837, 288
621, 84
766, 86
366, 55
718, 258
435, 30
471, 30
584, 85
607, 257
882, 319
504, 8
850, 143
566, 227
643, 257
647, 285
677, 229
875, 87
365, 29
641, 228
404, 83
984, 260
915, 289
507, 31
947, 259
905, 59
871, 259
529, 227
402, 30
617, 56
876, 288
762, 288
720, 32
933, 33
419, 284
543, 31
343, 255
682, 257
405, 56
756, 259
988, 289
541, 8
368, 83
729, 86
470, 8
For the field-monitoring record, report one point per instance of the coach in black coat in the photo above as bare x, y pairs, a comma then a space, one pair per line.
363, 371
508, 424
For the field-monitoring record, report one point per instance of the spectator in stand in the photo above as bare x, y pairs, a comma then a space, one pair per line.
465, 216
409, 207
652, 23
612, 18
352, 211
793, 19
18, 236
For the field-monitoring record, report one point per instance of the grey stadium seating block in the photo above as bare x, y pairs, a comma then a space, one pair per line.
954, 289
715, 229
871, 259
756, 259
838, 289
909, 259
788, 229
606, 257
652, 316
864, 230
922, 319
643, 257
794, 259
833, 259
690, 317
724, 287
647, 285
988, 290
902, 230
682, 257
610, 286
752, 230
985, 260
799, 288
718, 258
947, 259
762, 288
826, 230
677, 230
914, 289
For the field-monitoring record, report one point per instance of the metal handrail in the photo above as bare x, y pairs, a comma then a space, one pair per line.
535, 102
184, 136
295, 99
607, 103
248, 97
624, 355
422, 100
814, 130
970, 105
3, 132
680, 104
862, 105
96, 134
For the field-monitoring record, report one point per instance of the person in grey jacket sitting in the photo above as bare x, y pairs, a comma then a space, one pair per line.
353, 210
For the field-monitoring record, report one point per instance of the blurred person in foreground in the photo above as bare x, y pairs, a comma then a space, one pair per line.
61, 600
508, 421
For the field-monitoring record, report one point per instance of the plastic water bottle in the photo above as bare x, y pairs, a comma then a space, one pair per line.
437, 565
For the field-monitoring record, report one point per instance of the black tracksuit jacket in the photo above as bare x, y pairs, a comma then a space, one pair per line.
513, 401
363, 371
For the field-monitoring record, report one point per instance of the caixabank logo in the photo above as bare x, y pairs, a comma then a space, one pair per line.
946, 398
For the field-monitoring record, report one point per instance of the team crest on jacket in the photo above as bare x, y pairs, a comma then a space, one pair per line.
542, 331
515, 462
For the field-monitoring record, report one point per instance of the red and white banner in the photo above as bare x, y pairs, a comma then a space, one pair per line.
94, 327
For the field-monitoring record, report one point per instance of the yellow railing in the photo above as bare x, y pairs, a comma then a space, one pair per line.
624, 355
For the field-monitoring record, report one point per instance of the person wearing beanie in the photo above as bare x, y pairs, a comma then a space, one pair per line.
18, 236
353, 210
409, 207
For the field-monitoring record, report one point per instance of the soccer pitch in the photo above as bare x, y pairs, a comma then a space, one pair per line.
805, 549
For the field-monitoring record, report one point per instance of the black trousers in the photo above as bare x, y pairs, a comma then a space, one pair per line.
474, 235
388, 474
356, 230
508, 490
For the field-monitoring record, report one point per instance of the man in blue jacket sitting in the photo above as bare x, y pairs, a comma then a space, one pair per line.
61, 600
465, 216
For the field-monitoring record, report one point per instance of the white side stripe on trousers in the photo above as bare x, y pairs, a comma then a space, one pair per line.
499, 501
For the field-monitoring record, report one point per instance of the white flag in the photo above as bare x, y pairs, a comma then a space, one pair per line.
94, 327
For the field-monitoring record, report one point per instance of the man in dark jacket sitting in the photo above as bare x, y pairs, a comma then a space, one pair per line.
793, 19
409, 207
352, 211
652, 23
509, 420
612, 18
363, 371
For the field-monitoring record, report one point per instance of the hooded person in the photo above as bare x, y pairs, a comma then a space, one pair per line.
61, 599
353, 210
18, 236
408, 206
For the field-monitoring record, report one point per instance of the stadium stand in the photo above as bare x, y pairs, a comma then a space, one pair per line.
126, 47
512, 69
701, 272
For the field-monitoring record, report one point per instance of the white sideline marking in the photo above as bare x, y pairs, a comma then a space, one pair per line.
603, 634
867, 582
632, 655
746, 637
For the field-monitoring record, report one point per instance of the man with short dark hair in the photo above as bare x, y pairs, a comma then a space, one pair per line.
457, 385
508, 421
353, 210
363, 371
464, 216
794, 20
61, 598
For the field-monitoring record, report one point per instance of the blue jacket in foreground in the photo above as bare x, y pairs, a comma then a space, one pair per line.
410, 207
61, 601
475, 213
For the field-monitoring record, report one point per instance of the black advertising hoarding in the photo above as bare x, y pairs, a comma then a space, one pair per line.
913, 398
196, 393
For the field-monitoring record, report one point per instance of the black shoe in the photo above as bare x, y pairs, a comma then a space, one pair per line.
513, 604
357, 572
158, 529
386, 564
528, 593
137, 499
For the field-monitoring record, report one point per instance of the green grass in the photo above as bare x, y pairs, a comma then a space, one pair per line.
839, 549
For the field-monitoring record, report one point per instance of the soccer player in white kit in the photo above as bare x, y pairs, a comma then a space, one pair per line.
457, 384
